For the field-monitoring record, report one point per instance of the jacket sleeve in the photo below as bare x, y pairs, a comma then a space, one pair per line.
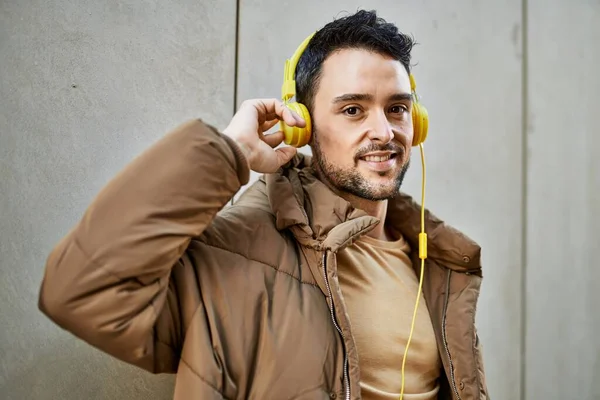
110, 280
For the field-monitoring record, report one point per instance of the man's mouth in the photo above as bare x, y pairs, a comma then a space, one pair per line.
372, 158
380, 161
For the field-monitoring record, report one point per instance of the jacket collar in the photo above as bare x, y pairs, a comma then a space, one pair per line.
321, 220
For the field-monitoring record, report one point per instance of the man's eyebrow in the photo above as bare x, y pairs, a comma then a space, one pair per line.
400, 97
352, 97
348, 97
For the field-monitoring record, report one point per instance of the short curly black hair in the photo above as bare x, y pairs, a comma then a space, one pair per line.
362, 30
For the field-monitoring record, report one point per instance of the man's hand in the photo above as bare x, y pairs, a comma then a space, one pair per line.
247, 128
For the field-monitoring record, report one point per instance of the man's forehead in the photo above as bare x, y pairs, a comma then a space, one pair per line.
354, 68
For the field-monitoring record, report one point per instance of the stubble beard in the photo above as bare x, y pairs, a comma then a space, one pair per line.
351, 181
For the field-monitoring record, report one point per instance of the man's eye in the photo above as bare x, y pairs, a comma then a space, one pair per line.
351, 110
398, 110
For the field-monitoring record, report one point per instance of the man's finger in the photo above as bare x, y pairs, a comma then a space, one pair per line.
274, 139
274, 108
269, 124
297, 120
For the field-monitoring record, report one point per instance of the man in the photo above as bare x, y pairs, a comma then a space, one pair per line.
305, 287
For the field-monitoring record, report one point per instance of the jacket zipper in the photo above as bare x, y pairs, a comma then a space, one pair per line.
346, 377
446, 298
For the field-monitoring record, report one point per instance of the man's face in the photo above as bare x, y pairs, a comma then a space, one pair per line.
362, 123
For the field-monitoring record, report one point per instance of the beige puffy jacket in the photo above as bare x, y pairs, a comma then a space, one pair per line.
242, 301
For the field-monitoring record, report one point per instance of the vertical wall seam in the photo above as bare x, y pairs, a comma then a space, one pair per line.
236, 56
524, 191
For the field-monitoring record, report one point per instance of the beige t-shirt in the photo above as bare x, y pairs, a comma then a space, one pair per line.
380, 288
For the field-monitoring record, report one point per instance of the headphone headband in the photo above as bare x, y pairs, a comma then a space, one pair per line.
288, 89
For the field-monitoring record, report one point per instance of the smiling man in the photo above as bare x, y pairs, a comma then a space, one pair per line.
362, 123
305, 287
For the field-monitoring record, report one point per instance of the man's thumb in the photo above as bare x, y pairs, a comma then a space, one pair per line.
285, 154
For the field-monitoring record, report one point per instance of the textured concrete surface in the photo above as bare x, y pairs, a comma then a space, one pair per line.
468, 71
563, 202
84, 87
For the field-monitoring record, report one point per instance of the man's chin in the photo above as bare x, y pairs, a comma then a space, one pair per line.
383, 179
383, 193
377, 190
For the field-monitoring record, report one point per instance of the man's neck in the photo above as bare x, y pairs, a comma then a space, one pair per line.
377, 209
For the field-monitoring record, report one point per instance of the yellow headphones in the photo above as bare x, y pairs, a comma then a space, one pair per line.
298, 137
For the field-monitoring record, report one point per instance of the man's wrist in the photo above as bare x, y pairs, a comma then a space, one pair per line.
245, 149
241, 152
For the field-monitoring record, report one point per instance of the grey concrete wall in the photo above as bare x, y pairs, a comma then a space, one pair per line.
563, 202
85, 86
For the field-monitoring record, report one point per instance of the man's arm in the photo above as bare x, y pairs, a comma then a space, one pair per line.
108, 281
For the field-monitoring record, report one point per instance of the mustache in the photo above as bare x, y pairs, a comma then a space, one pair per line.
374, 147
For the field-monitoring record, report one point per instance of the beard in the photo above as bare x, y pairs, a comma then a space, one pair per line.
350, 180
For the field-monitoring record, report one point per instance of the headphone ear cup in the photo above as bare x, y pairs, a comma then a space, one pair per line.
420, 119
294, 135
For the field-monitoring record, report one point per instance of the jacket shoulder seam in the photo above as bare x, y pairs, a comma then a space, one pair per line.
260, 261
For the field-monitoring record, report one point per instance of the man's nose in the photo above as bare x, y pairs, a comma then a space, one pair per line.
380, 128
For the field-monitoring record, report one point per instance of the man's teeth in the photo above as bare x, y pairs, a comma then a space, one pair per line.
377, 158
